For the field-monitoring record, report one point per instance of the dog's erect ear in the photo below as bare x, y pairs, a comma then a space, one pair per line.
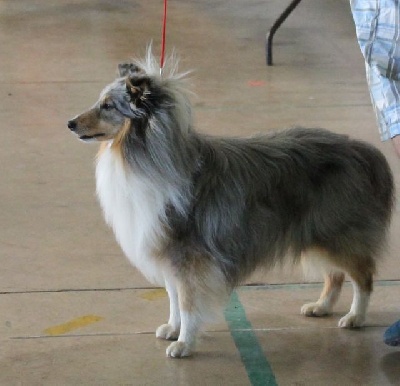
127, 69
138, 88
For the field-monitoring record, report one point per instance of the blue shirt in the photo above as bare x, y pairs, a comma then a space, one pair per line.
378, 33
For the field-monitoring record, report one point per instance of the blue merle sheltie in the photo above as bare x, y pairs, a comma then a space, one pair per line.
197, 214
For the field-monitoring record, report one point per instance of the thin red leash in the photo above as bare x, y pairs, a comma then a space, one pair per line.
163, 39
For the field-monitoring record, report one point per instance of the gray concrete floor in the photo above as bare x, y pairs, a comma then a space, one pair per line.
72, 310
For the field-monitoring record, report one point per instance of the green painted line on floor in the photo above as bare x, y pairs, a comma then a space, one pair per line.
257, 367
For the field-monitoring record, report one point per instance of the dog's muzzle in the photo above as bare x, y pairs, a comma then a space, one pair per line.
72, 125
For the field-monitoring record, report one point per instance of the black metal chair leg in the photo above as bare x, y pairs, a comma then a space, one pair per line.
275, 27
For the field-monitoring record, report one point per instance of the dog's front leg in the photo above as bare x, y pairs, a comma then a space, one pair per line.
170, 331
190, 322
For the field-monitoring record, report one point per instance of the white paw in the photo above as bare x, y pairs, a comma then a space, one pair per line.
178, 350
166, 331
314, 309
351, 321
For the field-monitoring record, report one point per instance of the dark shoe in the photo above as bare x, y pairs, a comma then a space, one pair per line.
392, 335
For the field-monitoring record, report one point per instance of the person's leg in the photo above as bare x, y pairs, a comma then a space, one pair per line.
396, 144
377, 27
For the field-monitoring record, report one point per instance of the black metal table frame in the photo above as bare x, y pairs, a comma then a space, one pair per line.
274, 28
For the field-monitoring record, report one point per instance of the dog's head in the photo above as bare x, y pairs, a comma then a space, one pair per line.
128, 98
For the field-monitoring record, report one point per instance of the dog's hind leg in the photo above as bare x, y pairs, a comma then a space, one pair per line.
362, 288
329, 296
360, 269
170, 330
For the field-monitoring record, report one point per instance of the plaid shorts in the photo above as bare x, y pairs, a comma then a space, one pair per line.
378, 33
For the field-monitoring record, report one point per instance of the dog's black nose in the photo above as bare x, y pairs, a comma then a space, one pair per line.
72, 125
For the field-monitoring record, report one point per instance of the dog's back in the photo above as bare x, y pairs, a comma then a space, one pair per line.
256, 199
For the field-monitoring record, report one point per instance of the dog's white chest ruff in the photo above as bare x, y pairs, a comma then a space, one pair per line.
132, 207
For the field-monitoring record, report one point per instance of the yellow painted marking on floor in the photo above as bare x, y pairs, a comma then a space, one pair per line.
73, 324
154, 294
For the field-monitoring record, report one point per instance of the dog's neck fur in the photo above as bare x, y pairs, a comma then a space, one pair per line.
163, 149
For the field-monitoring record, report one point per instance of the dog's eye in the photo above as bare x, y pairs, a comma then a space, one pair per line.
107, 106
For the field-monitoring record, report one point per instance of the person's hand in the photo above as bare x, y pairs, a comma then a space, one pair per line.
396, 144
